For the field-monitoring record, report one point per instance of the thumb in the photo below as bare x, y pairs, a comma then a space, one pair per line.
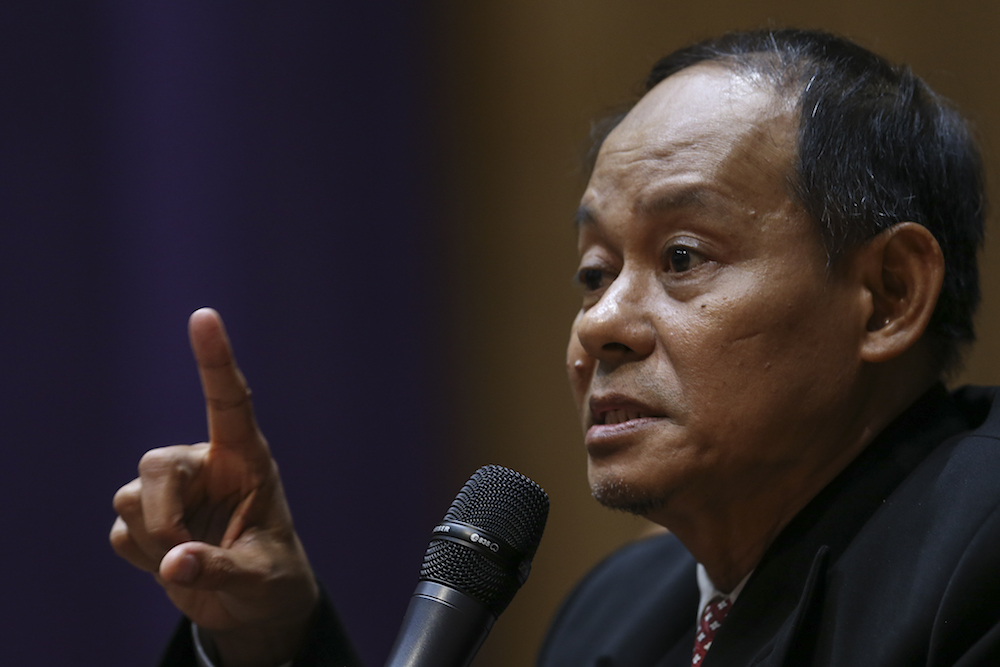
206, 567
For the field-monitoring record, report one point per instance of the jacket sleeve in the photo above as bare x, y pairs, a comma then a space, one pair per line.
327, 644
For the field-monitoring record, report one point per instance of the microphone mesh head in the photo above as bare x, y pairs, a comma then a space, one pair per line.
509, 506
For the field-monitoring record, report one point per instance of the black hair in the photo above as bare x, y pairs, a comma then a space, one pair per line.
876, 146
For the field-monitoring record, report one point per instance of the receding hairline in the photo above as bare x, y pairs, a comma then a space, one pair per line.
783, 77
772, 117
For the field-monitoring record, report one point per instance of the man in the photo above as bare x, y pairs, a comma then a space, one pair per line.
778, 247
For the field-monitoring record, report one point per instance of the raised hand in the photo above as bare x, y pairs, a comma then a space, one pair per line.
211, 522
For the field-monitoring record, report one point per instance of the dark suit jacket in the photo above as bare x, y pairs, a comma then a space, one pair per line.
326, 646
896, 562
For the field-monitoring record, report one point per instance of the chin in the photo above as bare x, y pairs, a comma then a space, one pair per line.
619, 494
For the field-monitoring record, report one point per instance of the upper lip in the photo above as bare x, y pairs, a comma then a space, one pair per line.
603, 405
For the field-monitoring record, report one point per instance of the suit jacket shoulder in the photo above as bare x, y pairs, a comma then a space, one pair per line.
634, 609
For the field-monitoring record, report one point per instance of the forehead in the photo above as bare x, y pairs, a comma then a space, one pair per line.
703, 128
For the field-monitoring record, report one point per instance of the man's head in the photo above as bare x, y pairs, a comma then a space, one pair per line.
737, 299
875, 146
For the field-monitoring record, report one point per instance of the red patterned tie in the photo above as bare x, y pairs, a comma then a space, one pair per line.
711, 619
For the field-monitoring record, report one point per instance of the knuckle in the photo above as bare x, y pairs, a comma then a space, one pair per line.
216, 570
155, 462
169, 461
127, 498
221, 567
167, 534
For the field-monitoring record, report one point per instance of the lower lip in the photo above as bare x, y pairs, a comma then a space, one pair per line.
601, 436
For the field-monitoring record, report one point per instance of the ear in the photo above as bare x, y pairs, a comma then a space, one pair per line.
902, 269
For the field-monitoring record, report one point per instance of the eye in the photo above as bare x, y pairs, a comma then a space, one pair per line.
679, 259
591, 279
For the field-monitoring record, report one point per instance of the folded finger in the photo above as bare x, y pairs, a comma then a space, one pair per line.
128, 499
169, 477
123, 544
131, 522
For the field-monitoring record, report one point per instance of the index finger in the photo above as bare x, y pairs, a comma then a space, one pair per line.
231, 420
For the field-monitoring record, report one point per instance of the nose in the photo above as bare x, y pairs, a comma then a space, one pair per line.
617, 329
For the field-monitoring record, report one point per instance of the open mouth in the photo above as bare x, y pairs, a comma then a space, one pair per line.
618, 416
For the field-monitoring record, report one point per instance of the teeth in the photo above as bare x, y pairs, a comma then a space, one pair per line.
619, 416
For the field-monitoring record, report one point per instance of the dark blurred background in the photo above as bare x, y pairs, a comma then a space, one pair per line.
378, 198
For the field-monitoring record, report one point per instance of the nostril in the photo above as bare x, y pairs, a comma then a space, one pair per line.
616, 347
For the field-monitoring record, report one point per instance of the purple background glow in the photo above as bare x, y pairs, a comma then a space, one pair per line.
266, 159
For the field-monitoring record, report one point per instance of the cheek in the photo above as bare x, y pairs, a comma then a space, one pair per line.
771, 352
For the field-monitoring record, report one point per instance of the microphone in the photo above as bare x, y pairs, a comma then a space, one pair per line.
478, 556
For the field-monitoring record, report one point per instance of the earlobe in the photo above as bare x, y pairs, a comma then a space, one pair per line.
903, 269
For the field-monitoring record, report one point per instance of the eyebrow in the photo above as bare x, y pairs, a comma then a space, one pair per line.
687, 197
584, 216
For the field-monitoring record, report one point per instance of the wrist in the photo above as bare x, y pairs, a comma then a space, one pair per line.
272, 644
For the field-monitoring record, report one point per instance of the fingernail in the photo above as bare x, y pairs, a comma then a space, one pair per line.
187, 570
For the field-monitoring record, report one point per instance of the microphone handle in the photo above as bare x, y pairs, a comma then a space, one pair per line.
443, 627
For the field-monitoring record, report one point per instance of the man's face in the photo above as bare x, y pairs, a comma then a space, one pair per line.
715, 354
